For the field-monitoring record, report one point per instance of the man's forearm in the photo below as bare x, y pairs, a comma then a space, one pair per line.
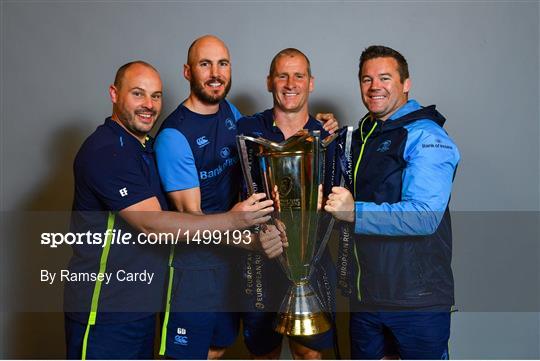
172, 222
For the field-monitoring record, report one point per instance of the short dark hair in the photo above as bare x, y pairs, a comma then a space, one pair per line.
288, 52
380, 51
122, 70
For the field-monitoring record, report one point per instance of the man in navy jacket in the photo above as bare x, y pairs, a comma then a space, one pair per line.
403, 167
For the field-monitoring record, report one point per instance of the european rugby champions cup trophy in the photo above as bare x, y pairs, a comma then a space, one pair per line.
292, 174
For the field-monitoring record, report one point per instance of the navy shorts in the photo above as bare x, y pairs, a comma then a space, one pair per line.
200, 314
413, 335
258, 326
191, 334
129, 340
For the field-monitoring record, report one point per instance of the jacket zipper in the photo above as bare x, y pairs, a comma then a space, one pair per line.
364, 140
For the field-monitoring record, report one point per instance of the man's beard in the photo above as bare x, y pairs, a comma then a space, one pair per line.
129, 120
206, 98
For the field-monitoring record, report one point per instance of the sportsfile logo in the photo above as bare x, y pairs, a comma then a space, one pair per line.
181, 337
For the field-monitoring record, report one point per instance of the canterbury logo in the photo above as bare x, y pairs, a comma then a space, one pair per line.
202, 141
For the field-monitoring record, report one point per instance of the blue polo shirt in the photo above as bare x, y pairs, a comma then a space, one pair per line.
199, 150
113, 171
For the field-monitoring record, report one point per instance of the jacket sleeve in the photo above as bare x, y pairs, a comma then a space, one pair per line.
431, 159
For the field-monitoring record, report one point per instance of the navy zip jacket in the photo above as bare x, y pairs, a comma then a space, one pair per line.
403, 173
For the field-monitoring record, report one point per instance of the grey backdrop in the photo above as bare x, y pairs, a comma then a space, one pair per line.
478, 61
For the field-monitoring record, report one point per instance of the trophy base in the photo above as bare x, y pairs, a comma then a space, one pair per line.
301, 313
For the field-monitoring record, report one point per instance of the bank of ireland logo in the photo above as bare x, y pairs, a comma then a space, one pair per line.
225, 152
181, 337
384, 146
229, 123
202, 141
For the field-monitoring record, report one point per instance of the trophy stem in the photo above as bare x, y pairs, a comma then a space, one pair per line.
301, 313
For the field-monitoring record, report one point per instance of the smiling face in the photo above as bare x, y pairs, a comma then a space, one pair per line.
290, 83
137, 99
209, 70
382, 90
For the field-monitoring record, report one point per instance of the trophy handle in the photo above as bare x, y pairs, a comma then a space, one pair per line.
348, 154
244, 163
348, 142
246, 171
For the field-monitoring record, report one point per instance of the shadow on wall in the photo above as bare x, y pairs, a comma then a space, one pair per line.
327, 106
245, 103
56, 191
32, 328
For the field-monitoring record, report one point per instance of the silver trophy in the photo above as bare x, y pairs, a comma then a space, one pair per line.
292, 175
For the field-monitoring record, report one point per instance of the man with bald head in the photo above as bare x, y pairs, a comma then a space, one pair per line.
207, 47
199, 170
118, 191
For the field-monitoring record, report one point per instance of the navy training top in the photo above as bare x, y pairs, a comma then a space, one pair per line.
199, 150
113, 171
